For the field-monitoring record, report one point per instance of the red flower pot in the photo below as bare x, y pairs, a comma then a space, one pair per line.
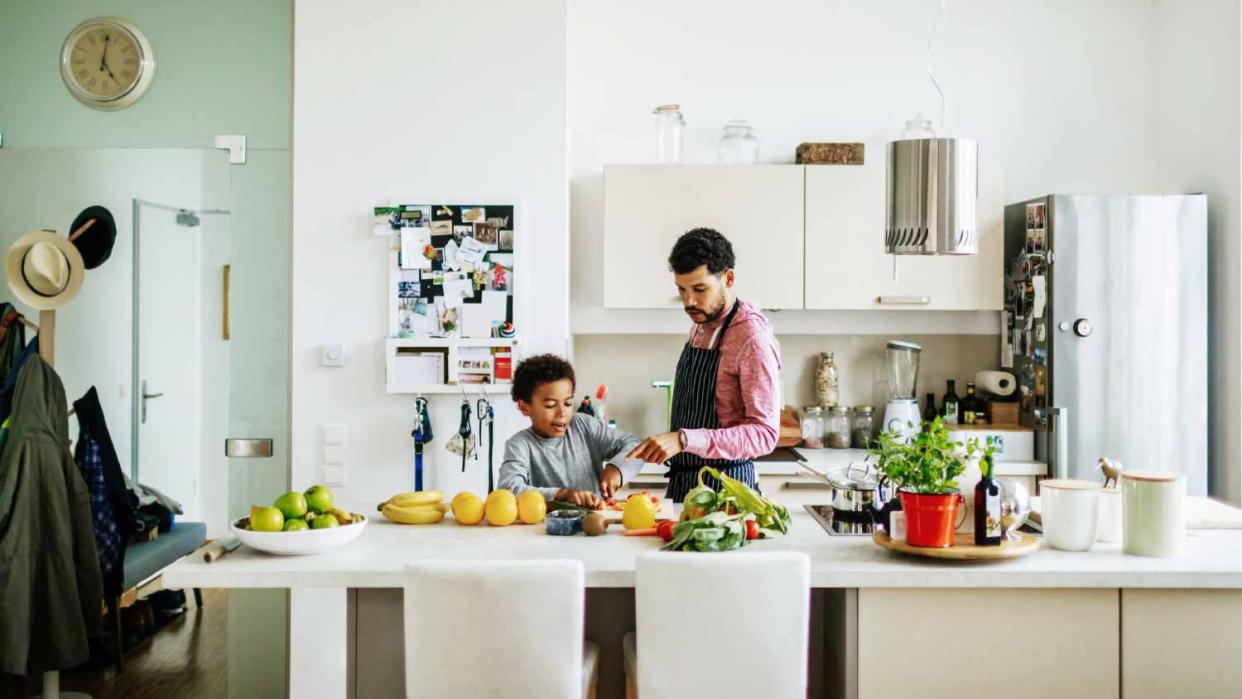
931, 520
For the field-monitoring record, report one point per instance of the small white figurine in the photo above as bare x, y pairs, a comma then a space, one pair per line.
1111, 470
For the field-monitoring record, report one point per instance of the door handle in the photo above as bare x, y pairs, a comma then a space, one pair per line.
903, 300
146, 397
1059, 416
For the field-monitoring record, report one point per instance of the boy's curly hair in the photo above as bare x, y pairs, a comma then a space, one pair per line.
540, 369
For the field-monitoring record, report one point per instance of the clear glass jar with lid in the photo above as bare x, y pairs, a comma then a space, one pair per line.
668, 127
837, 427
738, 145
862, 427
813, 427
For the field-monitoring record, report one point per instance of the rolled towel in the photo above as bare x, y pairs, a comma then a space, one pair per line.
998, 383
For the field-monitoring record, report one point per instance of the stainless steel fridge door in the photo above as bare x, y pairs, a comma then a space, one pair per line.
1128, 331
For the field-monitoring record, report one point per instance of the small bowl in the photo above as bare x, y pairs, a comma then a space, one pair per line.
563, 522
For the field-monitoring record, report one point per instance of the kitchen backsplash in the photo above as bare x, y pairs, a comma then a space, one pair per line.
629, 363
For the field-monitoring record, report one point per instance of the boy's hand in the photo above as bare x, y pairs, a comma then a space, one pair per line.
609, 481
581, 498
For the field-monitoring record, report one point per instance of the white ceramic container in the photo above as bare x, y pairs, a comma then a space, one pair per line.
1108, 531
1154, 503
1069, 512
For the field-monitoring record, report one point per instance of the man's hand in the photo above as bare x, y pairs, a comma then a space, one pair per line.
581, 498
657, 449
609, 481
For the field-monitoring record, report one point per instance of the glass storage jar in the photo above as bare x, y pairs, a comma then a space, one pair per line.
668, 126
813, 427
738, 145
862, 428
837, 428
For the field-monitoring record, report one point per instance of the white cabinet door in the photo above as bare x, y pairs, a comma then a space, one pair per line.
847, 268
759, 208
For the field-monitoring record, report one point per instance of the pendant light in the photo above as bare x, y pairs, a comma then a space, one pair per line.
932, 186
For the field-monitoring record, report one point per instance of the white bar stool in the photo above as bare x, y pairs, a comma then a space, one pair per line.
497, 629
724, 624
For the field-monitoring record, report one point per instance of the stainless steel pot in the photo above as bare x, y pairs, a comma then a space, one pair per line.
854, 490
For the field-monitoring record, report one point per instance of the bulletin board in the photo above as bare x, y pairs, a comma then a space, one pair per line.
450, 294
451, 271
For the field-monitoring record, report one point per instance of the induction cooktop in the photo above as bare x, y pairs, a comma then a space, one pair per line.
856, 525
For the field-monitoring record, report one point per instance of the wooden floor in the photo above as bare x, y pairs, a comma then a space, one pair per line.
187, 659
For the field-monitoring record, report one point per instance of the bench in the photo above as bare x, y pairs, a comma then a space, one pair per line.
147, 559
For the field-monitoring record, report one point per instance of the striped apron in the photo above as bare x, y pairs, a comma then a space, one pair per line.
694, 407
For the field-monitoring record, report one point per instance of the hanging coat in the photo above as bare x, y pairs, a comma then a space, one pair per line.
50, 590
112, 504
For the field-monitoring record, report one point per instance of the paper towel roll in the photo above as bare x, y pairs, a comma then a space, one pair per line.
998, 383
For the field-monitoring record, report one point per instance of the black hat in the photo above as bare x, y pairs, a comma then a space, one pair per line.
95, 243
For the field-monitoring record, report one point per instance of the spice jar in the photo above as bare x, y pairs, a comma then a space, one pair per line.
862, 428
827, 380
837, 427
813, 427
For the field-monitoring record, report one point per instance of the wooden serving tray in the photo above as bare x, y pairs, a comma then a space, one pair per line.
963, 548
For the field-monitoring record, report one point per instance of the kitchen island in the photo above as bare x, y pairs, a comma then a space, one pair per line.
1051, 622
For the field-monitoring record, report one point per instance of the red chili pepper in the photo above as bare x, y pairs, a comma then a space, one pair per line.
665, 530
752, 529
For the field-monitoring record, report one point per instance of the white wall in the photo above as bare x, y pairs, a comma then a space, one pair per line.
397, 99
1058, 94
1198, 119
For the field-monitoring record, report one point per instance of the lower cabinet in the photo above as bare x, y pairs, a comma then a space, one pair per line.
1181, 643
958, 643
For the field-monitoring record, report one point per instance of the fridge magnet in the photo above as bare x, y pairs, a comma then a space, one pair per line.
473, 214
1040, 334
444, 228
443, 211
507, 330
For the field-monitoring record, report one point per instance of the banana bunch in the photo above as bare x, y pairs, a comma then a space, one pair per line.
421, 507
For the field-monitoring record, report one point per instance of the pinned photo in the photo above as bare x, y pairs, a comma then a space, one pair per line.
473, 214
460, 232
408, 290
487, 234
442, 228
413, 216
506, 239
500, 279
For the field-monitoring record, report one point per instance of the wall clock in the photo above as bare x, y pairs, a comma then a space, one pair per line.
107, 63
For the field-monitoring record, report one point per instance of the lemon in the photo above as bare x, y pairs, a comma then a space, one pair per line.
531, 507
501, 508
467, 508
639, 513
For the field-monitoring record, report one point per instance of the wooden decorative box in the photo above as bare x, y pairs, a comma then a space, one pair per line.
829, 154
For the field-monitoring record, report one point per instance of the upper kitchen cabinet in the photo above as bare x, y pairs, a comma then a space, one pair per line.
847, 268
759, 208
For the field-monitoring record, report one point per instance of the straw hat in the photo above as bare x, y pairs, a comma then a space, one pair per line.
44, 270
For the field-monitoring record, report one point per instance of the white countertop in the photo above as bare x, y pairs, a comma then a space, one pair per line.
829, 458
1213, 558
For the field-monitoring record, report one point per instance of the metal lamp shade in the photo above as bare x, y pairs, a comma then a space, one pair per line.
932, 187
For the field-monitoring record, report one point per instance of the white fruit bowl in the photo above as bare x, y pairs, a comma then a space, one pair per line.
300, 543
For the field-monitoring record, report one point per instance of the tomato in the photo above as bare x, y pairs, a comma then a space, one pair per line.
752, 529
665, 530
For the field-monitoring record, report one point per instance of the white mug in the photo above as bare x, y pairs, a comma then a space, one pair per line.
1155, 513
1069, 512
1108, 531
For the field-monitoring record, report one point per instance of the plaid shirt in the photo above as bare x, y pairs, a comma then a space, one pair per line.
107, 535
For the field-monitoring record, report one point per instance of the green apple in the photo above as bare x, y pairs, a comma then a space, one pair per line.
266, 519
318, 499
292, 504
296, 525
324, 522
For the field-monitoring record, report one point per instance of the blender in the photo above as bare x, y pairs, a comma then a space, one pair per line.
902, 412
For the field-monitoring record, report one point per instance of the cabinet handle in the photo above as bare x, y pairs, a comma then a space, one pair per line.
904, 300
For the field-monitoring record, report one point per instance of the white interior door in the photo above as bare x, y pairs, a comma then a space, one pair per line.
181, 376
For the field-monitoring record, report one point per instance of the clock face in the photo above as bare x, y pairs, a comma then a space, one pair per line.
106, 63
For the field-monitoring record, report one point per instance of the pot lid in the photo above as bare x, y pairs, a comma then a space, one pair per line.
854, 477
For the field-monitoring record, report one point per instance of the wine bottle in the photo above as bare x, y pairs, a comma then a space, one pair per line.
972, 408
951, 404
989, 530
929, 412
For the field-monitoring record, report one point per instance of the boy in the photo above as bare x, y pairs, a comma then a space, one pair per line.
575, 458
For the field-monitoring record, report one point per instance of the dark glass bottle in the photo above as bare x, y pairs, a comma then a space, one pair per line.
989, 530
929, 411
585, 406
951, 405
972, 407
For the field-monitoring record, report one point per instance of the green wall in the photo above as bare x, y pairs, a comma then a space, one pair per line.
222, 66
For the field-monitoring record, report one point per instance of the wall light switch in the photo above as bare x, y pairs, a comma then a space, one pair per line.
332, 355
334, 475
334, 434
332, 455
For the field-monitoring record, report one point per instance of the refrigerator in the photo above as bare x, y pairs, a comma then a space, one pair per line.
1105, 327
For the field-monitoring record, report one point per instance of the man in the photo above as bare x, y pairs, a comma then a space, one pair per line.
726, 405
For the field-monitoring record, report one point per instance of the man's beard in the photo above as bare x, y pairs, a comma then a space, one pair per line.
708, 316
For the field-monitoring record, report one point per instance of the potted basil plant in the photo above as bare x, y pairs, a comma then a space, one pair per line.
924, 470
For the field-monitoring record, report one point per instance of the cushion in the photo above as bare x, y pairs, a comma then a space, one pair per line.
142, 560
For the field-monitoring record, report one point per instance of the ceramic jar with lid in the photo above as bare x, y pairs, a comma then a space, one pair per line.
1153, 521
